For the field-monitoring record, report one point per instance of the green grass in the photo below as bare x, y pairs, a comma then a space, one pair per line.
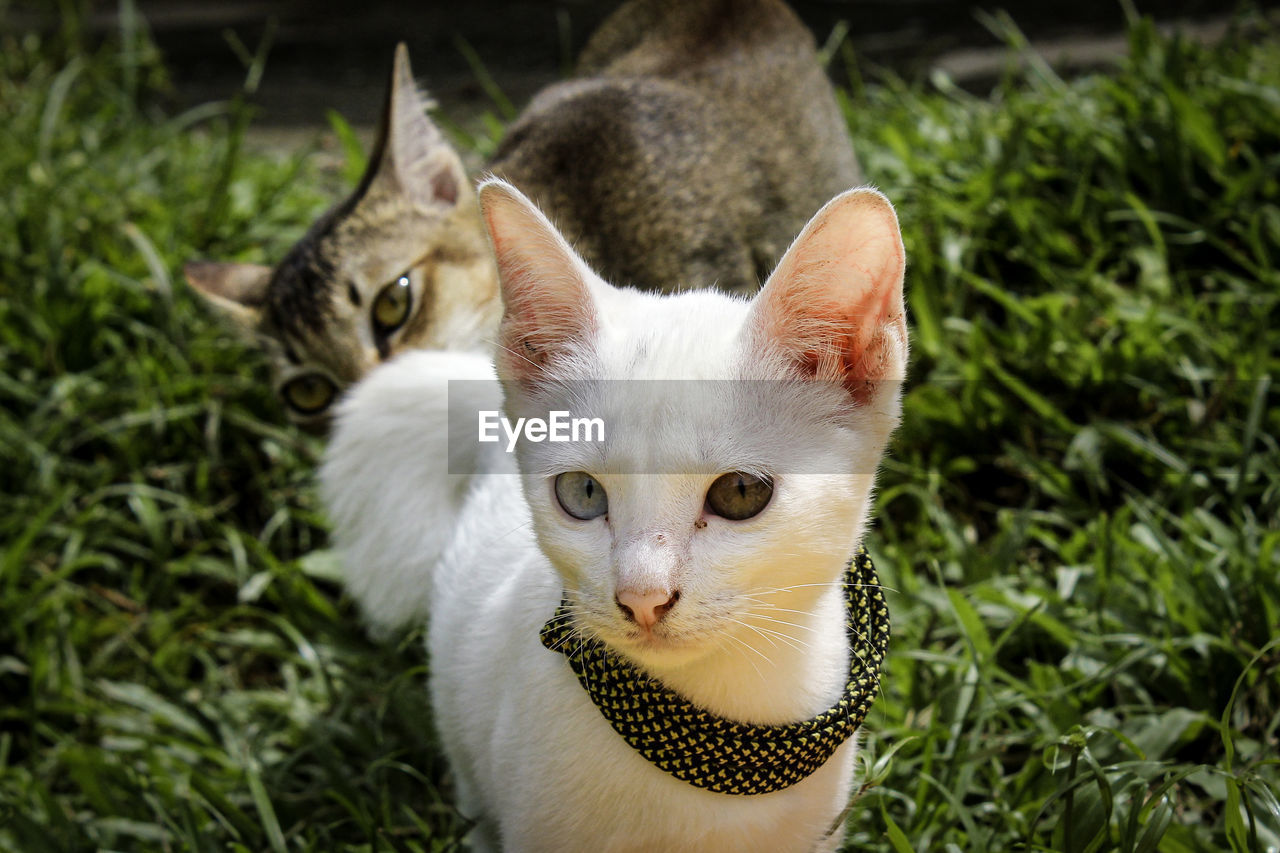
1078, 521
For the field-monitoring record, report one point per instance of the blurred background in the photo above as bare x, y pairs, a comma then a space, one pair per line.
335, 54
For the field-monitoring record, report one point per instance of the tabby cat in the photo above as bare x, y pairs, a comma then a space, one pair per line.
691, 144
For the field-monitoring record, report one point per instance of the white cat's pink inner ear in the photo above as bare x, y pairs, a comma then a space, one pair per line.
834, 305
547, 302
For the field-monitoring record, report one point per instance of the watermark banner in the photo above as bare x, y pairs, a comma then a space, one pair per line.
668, 426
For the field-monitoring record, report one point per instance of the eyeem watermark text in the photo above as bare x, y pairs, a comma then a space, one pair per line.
558, 426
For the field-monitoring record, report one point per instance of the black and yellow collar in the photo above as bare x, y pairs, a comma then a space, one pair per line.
718, 754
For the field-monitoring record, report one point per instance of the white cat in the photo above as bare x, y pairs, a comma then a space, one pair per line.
703, 543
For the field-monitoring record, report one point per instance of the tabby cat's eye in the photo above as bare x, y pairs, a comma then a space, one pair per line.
391, 307
309, 393
738, 496
581, 495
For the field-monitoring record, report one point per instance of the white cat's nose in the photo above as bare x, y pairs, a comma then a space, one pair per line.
646, 608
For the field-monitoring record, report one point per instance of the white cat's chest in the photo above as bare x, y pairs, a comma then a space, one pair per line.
529, 746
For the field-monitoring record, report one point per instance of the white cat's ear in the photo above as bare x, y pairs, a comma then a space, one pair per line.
548, 310
237, 290
411, 152
834, 306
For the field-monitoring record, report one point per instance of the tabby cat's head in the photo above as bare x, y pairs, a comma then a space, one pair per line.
401, 263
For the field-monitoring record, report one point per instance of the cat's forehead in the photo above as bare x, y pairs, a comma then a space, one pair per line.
687, 336
306, 310
311, 287
300, 295
680, 389
692, 428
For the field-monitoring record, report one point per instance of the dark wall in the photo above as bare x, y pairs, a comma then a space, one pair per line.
335, 53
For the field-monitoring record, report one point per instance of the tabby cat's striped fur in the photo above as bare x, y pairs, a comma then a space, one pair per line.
688, 149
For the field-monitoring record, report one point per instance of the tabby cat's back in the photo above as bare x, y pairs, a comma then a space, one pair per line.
690, 147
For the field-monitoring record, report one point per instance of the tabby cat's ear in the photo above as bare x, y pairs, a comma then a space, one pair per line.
411, 154
548, 312
834, 306
237, 290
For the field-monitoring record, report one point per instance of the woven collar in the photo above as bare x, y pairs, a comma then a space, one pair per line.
721, 755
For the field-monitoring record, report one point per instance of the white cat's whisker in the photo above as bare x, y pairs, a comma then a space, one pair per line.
794, 587
863, 639
789, 624
864, 643
769, 634
760, 601
878, 586
794, 642
726, 638
747, 645
572, 610
756, 630
559, 644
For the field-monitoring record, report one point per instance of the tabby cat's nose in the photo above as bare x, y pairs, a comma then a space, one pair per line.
646, 608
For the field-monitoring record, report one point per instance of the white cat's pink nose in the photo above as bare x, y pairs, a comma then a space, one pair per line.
646, 608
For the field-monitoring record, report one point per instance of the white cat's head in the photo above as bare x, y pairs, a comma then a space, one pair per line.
741, 437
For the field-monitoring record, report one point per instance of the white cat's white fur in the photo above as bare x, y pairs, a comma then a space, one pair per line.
757, 633
387, 483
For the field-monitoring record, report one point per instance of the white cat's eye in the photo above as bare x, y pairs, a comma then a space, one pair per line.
581, 495
391, 307
738, 496
309, 393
